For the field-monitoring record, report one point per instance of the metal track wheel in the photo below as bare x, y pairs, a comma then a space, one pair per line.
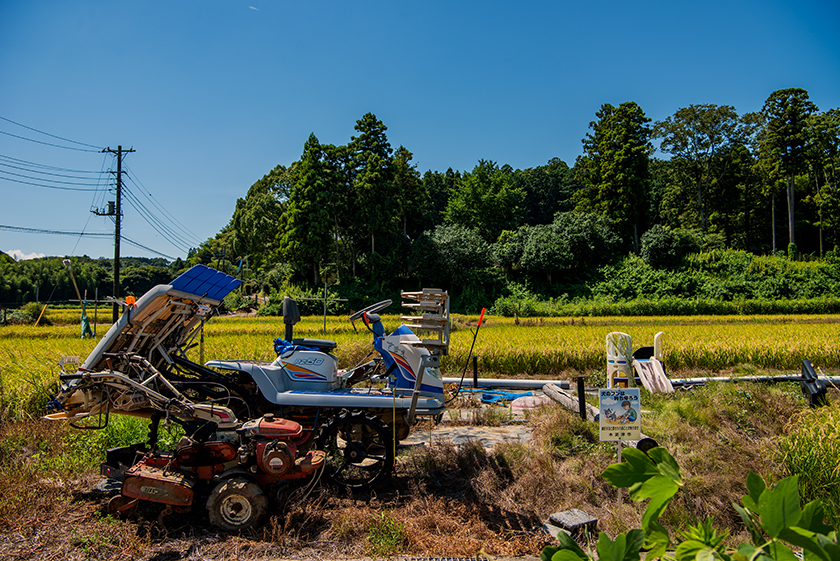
237, 504
359, 448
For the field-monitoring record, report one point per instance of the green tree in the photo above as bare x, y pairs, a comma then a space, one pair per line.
701, 138
415, 202
256, 218
377, 201
548, 190
823, 149
304, 237
486, 199
614, 168
783, 142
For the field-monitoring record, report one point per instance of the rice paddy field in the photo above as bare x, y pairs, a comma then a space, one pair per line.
540, 348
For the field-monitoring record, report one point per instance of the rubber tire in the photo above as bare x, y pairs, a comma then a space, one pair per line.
236, 505
357, 465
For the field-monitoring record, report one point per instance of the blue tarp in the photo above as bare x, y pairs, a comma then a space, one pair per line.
496, 396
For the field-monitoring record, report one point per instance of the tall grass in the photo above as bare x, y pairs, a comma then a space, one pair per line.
812, 451
506, 347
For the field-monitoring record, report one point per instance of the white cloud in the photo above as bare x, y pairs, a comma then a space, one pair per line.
18, 255
253, 8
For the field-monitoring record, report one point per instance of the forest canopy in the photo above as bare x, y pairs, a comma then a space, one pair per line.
644, 198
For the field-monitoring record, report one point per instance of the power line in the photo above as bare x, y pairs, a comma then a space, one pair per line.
132, 242
51, 135
87, 234
154, 221
47, 143
45, 186
44, 166
30, 170
54, 232
145, 191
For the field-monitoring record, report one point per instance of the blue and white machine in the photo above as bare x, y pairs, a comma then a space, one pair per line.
141, 366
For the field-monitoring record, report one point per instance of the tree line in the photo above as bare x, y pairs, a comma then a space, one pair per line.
362, 219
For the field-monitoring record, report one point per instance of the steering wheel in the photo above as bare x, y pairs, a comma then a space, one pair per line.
372, 309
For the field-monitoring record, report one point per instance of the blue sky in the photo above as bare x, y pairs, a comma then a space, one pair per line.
213, 94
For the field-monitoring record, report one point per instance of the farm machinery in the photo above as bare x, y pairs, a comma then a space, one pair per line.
252, 428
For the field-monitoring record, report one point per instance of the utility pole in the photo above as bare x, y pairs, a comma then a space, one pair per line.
117, 214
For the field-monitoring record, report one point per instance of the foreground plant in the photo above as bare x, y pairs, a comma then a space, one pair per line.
772, 516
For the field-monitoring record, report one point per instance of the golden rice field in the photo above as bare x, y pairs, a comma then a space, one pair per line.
557, 347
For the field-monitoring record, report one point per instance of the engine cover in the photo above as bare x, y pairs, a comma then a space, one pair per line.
276, 457
152, 483
269, 426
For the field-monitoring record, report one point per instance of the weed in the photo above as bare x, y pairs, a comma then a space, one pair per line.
385, 536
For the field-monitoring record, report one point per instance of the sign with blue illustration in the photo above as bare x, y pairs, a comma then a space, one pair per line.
620, 414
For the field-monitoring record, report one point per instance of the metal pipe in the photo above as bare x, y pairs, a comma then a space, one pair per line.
694, 381
509, 383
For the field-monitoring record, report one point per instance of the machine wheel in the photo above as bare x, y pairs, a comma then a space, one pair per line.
359, 448
237, 504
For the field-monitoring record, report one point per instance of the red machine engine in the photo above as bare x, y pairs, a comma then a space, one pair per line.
267, 453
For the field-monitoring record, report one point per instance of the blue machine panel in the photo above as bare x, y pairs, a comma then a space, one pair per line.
204, 282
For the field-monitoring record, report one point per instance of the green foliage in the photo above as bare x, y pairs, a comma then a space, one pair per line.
487, 200
664, 248
615, 167
811, 451
385, 536
773, 517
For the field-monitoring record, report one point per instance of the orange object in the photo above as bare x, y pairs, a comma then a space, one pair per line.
129, 300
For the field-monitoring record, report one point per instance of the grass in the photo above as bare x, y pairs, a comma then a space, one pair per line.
811, 450
448, 501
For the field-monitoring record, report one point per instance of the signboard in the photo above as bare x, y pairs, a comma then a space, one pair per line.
620, 414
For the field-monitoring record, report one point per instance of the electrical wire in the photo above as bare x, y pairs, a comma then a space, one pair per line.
63, 175
44, 166
55, 232
47, 143
145, 191
45, 186
141, 246
52, 135
153, 221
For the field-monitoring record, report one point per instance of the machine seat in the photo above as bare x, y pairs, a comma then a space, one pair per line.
322, 345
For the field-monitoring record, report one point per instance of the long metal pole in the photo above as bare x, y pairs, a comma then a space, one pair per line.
117, 224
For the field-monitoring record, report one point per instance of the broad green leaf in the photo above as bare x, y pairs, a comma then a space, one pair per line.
828, 543
755, 533
813, 517
635, 542
625, 547
656, 540
567, 555
660, 489
566, 542
688, 550
547, 552
708, 554
804, 539
666, 463
635, 468
781, 552
779, 508
755, 487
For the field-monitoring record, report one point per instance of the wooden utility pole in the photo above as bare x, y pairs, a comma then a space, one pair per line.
117, 226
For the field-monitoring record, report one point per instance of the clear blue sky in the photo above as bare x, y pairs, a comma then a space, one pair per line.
213, 94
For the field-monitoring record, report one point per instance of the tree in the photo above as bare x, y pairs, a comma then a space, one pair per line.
823, 148
700, 138
415, 202
306, 225
256, 219
548, 190
486, 199
615, 167
783, 141
371, 172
